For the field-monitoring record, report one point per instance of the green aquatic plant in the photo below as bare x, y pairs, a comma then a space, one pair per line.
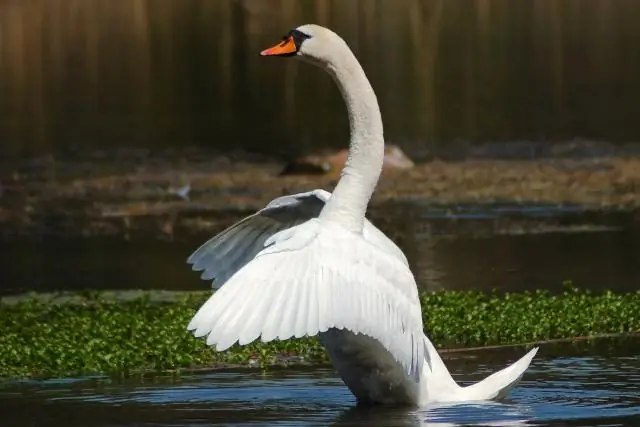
95, 334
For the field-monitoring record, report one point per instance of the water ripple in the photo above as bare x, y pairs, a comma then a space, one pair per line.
589, 390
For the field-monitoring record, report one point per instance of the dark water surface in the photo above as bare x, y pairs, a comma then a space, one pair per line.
98, 73
464, 248
566, 385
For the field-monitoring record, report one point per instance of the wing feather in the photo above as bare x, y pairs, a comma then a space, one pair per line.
313, 277
223, 255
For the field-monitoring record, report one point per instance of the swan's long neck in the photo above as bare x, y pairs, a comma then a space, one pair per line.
348, 203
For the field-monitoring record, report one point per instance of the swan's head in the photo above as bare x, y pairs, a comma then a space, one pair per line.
309, 42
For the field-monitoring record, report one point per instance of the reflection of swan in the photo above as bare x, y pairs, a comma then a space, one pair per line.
311, 264
486, 414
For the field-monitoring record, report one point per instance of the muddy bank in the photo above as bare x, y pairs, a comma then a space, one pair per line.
194, 190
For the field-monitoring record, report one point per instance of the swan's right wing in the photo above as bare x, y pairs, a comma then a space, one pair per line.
224, 254
313, 277
227, 252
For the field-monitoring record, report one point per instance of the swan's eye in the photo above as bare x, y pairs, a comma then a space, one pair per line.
298, 37
289, 46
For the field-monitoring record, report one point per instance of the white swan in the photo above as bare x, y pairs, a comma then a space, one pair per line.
312, 264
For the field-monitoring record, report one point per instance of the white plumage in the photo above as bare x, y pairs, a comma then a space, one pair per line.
312, 264
312, 277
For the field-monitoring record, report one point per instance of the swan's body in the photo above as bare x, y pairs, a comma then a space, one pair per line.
312, 264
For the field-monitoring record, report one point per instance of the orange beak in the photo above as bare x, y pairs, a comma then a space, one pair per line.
284, 48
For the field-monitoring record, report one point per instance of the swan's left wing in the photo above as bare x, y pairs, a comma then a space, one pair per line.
313, 277
224, 254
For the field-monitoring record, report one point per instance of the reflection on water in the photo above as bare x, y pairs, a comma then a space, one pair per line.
496, 252
582, 385
95, 73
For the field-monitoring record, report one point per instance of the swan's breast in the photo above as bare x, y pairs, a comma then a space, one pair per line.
368, 369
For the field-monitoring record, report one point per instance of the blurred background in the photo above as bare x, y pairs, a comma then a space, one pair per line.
132, 130
98, 74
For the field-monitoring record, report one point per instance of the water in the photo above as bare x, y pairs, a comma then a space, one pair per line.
539, 250
577, 385
94, 74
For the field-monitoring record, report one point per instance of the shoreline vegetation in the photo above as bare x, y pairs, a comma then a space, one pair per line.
124, 333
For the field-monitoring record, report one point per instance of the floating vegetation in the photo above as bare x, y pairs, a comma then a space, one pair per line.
94, 333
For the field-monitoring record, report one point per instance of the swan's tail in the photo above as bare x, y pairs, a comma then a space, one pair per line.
439, 385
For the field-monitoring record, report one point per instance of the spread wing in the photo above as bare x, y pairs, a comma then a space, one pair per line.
312, 277
224, 254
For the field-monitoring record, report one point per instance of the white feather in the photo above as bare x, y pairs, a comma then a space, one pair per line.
224, 254
271, 295
311, 263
